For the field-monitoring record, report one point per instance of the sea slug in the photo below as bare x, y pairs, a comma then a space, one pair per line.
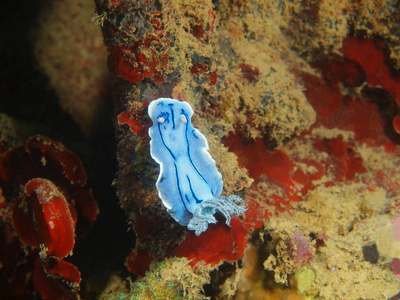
189, 183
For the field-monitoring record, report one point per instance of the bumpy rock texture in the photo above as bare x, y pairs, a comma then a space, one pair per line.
287, 100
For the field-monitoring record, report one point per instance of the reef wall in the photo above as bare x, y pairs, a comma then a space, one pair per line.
295, 97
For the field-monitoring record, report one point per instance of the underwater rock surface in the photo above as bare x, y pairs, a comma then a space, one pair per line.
299, 101
297, 115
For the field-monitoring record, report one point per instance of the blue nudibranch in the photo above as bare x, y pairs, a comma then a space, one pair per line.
189, 183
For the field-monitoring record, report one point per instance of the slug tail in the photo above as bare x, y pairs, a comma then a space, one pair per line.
229, 207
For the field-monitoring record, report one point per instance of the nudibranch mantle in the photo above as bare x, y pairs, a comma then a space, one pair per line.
189, 183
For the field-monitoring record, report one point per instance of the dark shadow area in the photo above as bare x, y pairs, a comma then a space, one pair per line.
102, 252
24, 92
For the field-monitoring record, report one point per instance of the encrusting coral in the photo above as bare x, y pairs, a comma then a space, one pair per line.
291, 107
171, 279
